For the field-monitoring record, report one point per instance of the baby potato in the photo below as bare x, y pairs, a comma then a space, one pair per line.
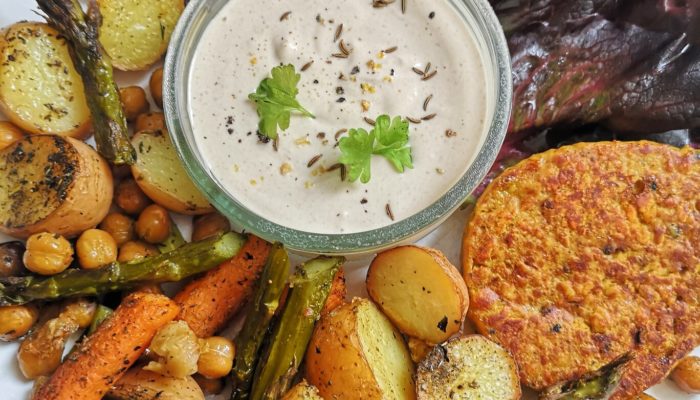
420, 291
16, 321
9, 133
134, 101
355, 353
687, 374
156, 86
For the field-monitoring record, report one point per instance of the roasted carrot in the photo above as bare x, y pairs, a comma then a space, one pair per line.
104, 357
336, 297
207, 303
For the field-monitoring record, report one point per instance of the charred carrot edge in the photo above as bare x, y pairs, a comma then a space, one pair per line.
207, 303
339, 291
88, 373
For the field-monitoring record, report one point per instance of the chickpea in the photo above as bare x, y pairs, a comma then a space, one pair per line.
155, 84
209, 225
11, 259
131, 251
9, 133
215, 357
687, 374
80, 311
130, 198
154, 121
133, 101
95, 248
153, 224
16, 321
119, 226
209, 386
47, 253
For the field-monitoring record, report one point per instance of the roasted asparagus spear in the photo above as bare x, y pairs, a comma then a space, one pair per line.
278, 365
176, 265
95, 67
265, 302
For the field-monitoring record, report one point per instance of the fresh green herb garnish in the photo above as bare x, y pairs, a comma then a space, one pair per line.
275, 99
388, 139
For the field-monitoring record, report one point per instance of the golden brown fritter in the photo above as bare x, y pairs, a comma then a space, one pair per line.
580, 255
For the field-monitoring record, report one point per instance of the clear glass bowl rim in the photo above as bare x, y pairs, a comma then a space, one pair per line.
176, 72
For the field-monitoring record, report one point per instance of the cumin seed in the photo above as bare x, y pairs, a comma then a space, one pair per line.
285, 16
370, 121
313, 160
403, 6
390, 50
426, 102
307, 65
413, 120
419, 72
340, 55
343, 48
334, 167
429, 76
389, 213
429, 117
275, 143
338, 32
427, 68
343, 172
340, 132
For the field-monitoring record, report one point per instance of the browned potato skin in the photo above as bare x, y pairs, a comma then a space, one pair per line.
156, 86
134, 102
408, 320
152, 121
687, 374
9, 133
335, 363
87, 198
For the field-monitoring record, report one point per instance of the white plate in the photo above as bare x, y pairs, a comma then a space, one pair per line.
447, 238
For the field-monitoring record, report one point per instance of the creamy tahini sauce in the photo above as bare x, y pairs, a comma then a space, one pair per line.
247, 39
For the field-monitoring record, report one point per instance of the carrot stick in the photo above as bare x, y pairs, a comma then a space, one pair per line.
207, 303
104, 357
336, 298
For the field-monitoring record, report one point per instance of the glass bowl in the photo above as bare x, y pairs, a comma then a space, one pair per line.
491, 42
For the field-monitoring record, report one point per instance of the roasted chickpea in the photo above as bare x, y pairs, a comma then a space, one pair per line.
47, 253
209, 386
130, 198
154, 121
131, 251
80, 311
9, 133
11, 259
95, 248
16, 321
209, 225
215, 357
687, 374
153, 224
134, 101
155, 84
119, 226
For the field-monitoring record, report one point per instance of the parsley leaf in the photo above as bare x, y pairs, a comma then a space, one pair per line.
275, 100
388, 139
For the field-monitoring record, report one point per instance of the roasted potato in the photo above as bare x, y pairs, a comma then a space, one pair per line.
160, 174
40, 90
469, 368
139, 384
302, 391
9, 133
687, 374
420, 291
135, 33
355, 353
53, 184
418, 349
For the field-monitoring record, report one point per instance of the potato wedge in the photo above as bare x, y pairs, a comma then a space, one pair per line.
355, 353
468, 368
420, 291
160, 174
302, 391
40, 90
135, 33
50, 183
139, 384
